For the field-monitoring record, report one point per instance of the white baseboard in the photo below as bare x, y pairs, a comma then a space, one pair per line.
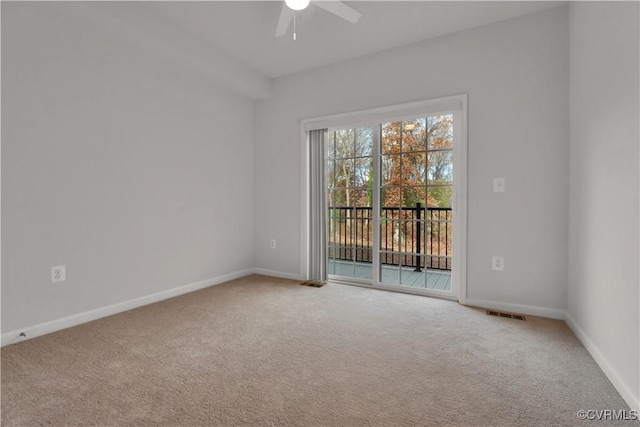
531, 310
88, 316
616, 379
279, 274
625, 391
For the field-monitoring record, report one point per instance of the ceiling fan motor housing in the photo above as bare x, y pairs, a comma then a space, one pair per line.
297, 4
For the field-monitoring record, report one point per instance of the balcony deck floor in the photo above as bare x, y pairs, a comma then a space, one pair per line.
426, 279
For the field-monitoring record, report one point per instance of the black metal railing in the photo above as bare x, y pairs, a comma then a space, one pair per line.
415, 236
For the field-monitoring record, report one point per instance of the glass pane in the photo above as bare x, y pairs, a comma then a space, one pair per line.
345, 253
391, 197
439, 280
359, 197
390, 138
440, 132
362, 175
439, 228
331, 266
389, 273
331, 173
414, 277
413, 175
364, 271
344, 268
414, 168
361, 233
412, 234
440, 168
404, 236
364, 252
334, 212
344, 141
439, 197
337, 197
414, 135
390, 170
389, 230
364, 142
438, 241
399, 241
343, 172
414, 195
391, 213
331, 145
438, 263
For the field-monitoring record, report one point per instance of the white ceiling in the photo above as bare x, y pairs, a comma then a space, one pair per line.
245, 29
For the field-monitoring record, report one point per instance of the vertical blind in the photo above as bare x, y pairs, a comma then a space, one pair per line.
317, 205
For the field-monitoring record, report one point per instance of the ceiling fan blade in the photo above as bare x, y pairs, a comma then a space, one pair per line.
340, 9
286, 15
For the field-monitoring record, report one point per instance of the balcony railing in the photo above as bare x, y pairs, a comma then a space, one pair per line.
415, 236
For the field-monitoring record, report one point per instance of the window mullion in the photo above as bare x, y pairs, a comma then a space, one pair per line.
375, 203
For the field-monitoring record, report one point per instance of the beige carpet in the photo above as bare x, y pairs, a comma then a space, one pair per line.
263, 351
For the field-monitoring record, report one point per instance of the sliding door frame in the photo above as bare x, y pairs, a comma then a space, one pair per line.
457, 105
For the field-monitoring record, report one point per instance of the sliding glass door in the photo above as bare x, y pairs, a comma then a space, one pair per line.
390, 187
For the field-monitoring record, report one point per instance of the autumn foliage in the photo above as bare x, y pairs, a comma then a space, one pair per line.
415, 167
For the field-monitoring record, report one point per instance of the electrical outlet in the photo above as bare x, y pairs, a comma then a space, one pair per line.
58, 274
498, 185
273, 243
497, 263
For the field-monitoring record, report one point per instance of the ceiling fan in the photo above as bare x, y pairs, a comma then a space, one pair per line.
290, 7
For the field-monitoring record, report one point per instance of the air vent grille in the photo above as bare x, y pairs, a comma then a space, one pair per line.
312, 284
507, 315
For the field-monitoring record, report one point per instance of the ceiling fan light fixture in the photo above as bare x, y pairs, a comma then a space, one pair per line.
297, 4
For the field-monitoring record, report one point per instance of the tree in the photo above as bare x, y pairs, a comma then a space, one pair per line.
416, 159
416, 154
416, 167
350, 180
350, 168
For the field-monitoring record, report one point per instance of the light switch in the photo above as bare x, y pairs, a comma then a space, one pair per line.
498, 185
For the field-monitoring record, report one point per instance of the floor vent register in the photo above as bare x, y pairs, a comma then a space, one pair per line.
312, 284
507, 315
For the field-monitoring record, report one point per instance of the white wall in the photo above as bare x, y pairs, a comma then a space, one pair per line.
516, 76
603, 271
130, 171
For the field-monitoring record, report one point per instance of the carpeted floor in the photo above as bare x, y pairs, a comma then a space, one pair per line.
264, 351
